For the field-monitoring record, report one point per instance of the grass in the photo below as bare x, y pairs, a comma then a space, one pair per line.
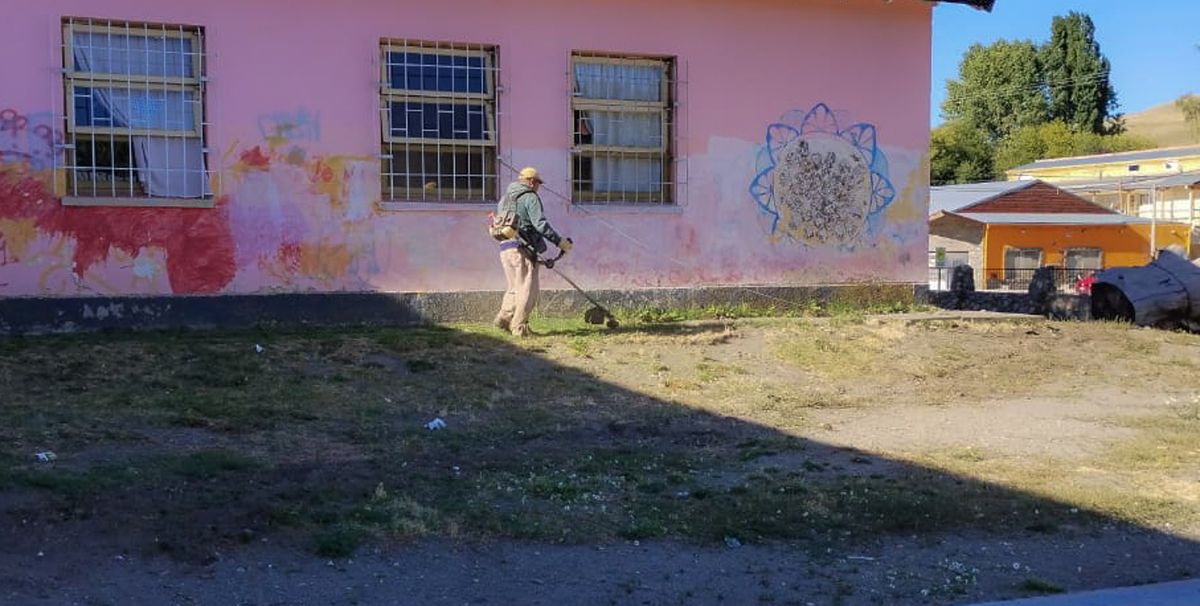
693, 431
1169, 442
209, 464
1039, 586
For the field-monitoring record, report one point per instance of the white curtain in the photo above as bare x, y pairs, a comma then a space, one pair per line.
167, 166
612, 81
618, 81
612, 173
632, 129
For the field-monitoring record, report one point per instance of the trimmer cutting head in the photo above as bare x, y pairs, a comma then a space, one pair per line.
599, 315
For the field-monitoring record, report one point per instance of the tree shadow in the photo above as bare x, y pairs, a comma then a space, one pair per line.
192, 444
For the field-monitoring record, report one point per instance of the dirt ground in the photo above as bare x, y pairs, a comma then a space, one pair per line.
845, 460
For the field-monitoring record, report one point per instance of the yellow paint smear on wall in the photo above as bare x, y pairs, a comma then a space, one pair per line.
325, 261
329, 176
907, 207
17, 234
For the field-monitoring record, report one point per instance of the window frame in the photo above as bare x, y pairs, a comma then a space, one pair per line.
392, 194
73, 79
1023, 249
1099, 253
665, 151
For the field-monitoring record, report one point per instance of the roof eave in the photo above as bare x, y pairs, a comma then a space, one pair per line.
983, 5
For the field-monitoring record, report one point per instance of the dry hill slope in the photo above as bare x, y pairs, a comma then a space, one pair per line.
1163, 124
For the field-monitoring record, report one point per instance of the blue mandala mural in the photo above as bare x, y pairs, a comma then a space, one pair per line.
819, 183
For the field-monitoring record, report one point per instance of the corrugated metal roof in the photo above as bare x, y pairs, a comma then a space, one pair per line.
1054, 219
1098, 185
1180, 180
948, 198
1131, 183
1165, 153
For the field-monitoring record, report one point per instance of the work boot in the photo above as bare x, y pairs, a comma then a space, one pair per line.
501, 323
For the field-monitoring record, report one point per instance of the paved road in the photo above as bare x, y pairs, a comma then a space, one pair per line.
1178, 593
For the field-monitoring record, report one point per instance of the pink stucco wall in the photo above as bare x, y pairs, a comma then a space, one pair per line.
746, 63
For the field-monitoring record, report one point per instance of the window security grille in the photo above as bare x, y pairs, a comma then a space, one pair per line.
438, 110
135, 117
623, 129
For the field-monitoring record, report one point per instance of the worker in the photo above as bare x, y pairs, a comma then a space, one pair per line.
520, 223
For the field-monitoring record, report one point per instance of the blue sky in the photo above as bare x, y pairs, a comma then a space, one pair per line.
1151, 44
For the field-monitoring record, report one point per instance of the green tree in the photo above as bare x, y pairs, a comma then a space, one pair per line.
1189, 104
1077, 76
999, 89
959, 153
1058, 139
1033, 143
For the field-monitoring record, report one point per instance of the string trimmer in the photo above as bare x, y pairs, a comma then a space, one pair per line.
598, 314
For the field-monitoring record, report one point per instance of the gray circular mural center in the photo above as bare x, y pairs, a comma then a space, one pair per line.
822, 186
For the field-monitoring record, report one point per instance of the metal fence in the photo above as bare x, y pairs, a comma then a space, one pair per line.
939, 277
1011, 279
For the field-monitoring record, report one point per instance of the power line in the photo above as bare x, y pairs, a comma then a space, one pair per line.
1022, 88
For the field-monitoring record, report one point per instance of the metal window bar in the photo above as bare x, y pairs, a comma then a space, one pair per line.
438, 118
133, 148
1066, 279
623, 129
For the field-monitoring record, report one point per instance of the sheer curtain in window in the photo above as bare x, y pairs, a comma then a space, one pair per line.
611, 81
167, 165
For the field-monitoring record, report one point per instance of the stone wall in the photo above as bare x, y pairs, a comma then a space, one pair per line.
1060, 306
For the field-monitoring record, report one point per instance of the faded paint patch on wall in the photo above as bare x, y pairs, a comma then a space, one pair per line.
300, 220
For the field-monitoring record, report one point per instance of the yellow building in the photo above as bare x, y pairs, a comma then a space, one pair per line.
1118, 167
1158, 184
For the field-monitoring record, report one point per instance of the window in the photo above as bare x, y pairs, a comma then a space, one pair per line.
135, 113
1022, 258
623, 126
1019, 265
438, 108
1084, 260
1133, 168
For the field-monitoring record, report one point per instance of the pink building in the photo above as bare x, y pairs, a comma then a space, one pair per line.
157, 148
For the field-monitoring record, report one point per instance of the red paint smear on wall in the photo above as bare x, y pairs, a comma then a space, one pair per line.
198, 242
255, 158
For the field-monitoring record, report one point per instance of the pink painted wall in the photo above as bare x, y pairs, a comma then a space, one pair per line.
318, 224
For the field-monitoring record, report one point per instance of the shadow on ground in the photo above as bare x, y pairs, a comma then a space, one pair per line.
295, 466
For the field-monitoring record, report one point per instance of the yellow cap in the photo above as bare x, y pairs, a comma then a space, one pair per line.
530, 173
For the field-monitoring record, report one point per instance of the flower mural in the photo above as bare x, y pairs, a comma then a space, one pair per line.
819, 183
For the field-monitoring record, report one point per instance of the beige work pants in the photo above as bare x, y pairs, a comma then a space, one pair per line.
521, 273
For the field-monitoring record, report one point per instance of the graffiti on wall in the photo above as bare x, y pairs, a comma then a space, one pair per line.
282, 217
28, 139
820, 183
82, 249
290, 126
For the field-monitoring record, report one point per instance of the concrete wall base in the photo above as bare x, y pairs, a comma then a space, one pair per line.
75, 314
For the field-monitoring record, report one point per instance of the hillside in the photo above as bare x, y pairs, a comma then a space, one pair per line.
1162, 123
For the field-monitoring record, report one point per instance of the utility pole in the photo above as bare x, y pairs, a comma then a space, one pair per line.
1153, 221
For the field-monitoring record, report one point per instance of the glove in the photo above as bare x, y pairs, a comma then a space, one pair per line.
566, 245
